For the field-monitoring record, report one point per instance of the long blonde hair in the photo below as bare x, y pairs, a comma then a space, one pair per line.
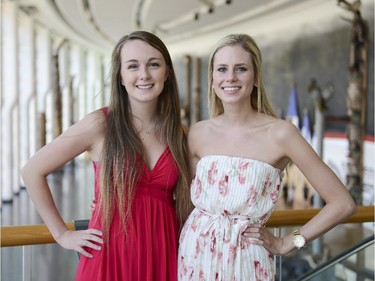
258, 99
121, 168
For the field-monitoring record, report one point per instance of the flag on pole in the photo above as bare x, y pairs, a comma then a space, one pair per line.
314, 143
306, 131
292, 113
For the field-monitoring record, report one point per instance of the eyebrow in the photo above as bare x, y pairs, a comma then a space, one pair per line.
238, 64
134, 60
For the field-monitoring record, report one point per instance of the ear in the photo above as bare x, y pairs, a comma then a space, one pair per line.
166, 75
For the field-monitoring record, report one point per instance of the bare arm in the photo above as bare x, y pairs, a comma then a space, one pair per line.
81, 137
339, 203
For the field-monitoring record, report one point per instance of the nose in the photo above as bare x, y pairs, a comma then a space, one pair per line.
144, 74
231, 75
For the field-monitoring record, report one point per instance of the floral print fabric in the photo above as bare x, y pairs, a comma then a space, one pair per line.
228, 193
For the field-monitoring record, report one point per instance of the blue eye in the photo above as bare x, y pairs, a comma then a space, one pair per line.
241, 69
132, 66
221, 69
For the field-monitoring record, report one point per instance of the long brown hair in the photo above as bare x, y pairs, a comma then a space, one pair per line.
121, 168
258, 98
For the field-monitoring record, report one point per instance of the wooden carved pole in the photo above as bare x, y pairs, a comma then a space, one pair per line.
320, 97
356, 100
185, 110
57, 97
57, 92
197, 92
71, 101
43, 131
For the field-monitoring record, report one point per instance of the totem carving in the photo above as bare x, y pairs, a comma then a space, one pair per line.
185, 109
197, 92
356, 99
57, 94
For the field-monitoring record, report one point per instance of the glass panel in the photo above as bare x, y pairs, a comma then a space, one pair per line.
48, 262
11, 263
52, 262
72, 188
356, 266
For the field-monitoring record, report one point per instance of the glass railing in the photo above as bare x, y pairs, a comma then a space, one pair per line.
355, 263
22, 248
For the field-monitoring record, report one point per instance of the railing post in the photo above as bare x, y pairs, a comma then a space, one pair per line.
360, 263
277, 259
26, 263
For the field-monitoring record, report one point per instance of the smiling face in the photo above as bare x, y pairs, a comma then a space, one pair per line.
143, 71
233, 74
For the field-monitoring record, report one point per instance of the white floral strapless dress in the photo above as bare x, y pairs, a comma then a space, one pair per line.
228, 193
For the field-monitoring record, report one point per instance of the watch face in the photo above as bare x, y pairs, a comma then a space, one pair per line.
299, 241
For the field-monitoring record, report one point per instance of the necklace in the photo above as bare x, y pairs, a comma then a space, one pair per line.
148, 130
146, 133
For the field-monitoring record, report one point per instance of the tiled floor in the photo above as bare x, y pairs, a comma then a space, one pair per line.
72, 189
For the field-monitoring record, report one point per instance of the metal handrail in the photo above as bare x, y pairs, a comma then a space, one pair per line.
367, 242
39, 234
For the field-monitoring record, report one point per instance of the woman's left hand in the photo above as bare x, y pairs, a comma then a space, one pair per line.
261, 236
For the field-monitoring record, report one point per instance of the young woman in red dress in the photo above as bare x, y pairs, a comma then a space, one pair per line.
139, 153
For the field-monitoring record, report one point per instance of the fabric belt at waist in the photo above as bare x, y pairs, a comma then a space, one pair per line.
162, 195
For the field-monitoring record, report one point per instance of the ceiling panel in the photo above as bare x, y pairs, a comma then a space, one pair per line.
74, 14
114, 18
103, 22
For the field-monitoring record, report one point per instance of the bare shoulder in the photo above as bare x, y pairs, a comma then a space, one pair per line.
199, 127
93, 123
95, 118
197, 133
86, 135
282, 130
201, 124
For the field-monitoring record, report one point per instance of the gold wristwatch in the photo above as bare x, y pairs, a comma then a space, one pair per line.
298, 240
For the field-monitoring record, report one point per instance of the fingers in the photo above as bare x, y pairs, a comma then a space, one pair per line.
256, 234
82, 250
90, 239
253, 230
81, 240
84, 253
91, 235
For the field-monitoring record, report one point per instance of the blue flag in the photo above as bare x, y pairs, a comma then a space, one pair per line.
292, 113
306, 131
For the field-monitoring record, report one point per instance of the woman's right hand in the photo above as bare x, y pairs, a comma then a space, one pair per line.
79, 240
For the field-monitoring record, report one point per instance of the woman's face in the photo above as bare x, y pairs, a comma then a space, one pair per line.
143, 71
233, 74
